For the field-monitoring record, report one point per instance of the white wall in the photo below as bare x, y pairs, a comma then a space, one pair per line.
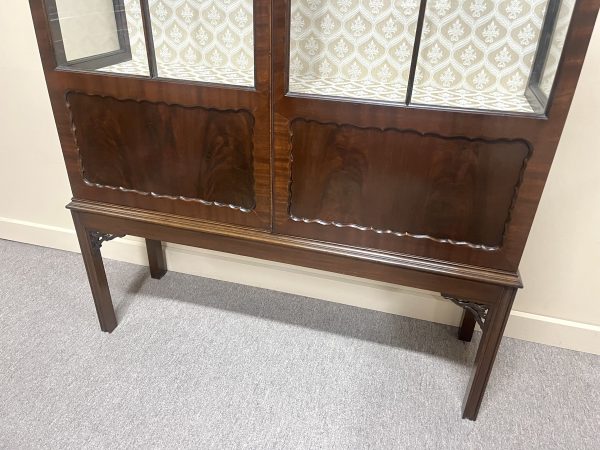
560, 304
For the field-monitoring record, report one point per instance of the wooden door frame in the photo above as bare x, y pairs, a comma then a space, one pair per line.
93, 62
541, 131
255, 100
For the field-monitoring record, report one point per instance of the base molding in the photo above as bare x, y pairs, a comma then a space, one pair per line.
313, 283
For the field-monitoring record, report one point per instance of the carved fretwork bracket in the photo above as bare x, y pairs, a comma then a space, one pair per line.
98, 238
478, 311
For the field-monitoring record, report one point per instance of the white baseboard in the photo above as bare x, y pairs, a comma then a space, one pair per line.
312, 283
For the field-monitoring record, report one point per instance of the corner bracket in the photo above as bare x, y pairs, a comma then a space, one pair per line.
98, 238
477, 310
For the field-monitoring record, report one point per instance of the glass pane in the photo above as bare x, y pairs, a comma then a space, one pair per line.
96, 35
479, 54
352, 48
556, 46
204, 40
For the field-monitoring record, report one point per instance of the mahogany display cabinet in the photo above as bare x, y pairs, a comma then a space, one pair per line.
403, 141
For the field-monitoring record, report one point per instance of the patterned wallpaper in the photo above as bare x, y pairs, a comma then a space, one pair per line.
479, 45
474, 53
359, 46
207, 40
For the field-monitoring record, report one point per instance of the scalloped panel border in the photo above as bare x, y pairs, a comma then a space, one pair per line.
154, 194
402, 234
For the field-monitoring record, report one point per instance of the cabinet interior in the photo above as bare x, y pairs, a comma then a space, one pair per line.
496, 55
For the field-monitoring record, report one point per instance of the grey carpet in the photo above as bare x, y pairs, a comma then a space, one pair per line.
198, 363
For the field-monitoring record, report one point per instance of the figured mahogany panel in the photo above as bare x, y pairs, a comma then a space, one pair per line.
449, 189
189, 153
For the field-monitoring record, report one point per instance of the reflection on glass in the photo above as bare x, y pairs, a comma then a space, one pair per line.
479, 54
352, 48
556, 46
93, 35
209, 40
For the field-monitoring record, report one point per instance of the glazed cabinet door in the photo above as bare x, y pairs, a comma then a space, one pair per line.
421, 127
163, 104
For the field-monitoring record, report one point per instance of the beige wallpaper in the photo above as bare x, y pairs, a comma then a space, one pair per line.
203, 40
474, 53
479, 45
356, 48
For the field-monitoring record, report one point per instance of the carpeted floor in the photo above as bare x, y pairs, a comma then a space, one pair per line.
198, 363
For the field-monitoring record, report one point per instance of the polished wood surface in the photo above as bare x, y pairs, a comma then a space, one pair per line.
168, 151
404, 183
486, 353
94, 267
176, 93
90, 217
156, 259
474, 283
541, 132
467, 326
311, 181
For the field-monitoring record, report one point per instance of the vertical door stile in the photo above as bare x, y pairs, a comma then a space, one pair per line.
415, 52
149, 38
534, 94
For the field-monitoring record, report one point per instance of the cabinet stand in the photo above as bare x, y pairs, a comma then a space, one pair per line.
492, 317
90, 242
156, 259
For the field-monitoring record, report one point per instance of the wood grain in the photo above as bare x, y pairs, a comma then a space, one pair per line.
541, 131
453, 189
172, 92
92, 259
493, 330
156, 259
193, 154
478, 284
448, 189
